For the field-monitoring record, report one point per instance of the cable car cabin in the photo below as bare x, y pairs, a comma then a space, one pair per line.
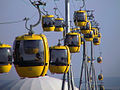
73, 41
80, 18
82, 40
99, 60
31, 55
101, 87
59, 59
96, 41
88, 59
48, 23
95, 31
86, 29
5, 58
99, 35
89, 36
100, 77
59, 24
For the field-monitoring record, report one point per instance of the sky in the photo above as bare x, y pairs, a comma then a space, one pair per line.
106, 13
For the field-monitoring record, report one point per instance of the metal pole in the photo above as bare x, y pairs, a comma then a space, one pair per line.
81, 75
94, 80
63, 83
71, 77
68, 79
67, 22
85, 61
92, 66
67, 15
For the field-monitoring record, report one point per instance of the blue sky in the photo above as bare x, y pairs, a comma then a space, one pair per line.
106, 13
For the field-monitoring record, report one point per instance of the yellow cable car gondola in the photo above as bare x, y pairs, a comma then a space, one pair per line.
86, 29
88, 59
48, 23
100, 77
80, 18
5, 58
99, 59
101, 87
96, 41
95, 31
31, 55
89, 36
59, 59
73, 41
59, 24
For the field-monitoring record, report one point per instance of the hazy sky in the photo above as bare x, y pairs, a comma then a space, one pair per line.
106, 13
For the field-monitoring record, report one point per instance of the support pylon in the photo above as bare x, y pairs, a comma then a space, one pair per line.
85, 68
92, 71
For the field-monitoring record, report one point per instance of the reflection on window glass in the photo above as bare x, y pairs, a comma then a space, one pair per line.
34, 47
72, 40
31, 43
88, 35
5, 54
59, 23
58, 56
81, 16
47, 21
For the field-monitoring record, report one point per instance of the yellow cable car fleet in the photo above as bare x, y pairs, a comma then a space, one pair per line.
32, 55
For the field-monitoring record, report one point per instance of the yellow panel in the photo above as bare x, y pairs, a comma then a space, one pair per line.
49, 28
47, 16
30, 71
58, 29
59, 19
80, 24
74, 49
29, 37
46, 53
89, 39
58, 47
58, 69
5, 46
85, 31
5, 68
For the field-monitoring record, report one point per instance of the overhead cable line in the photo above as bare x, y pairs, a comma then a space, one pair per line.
58, 9
12, 22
